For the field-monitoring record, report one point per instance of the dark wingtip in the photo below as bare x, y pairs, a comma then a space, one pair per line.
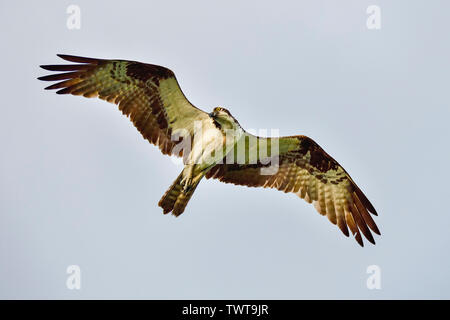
54, 86
78, 59
366, 201
371, 240
63, 91
64, 56
358, 238
344, 229
368, 235
377, 231
360, 242
371, 208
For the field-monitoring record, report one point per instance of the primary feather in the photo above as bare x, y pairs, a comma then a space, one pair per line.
148, 94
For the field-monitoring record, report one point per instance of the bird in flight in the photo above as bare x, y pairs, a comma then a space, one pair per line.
214, 145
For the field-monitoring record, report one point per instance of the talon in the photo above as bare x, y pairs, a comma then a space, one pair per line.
184, 181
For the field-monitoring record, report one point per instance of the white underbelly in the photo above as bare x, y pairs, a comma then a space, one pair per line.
211, 148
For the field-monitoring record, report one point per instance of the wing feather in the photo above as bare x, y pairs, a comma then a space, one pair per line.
308, 171
148, 94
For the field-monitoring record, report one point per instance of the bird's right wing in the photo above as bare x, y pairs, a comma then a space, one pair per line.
306, 170
148, 94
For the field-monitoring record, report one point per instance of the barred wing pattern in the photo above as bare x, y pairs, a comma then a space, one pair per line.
308, 171
148, 94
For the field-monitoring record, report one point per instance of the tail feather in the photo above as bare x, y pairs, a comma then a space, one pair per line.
176, 197
181, 202
169, 198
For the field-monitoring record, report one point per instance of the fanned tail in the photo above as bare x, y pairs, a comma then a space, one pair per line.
177, 196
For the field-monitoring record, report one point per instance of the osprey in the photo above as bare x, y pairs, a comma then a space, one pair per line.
151, 97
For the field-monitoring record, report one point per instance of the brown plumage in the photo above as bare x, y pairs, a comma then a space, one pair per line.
308, 171
134, 87
151, 97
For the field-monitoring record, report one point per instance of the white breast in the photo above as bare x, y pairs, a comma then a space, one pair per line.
211, 146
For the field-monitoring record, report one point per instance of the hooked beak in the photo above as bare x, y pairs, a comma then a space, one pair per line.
212, 114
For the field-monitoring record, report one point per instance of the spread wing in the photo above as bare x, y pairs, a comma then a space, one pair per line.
148, 94
305, 169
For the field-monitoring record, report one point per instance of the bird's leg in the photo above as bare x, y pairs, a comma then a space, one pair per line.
192, 174
188, 173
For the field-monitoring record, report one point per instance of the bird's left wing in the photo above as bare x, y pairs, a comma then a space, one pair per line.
148, 94
304, 168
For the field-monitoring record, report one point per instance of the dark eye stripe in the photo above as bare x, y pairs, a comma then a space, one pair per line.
217, 124
227, 112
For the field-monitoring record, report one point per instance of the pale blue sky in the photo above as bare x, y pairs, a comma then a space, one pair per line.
78, 184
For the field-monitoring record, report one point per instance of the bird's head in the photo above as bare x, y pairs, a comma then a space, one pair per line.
223, 119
